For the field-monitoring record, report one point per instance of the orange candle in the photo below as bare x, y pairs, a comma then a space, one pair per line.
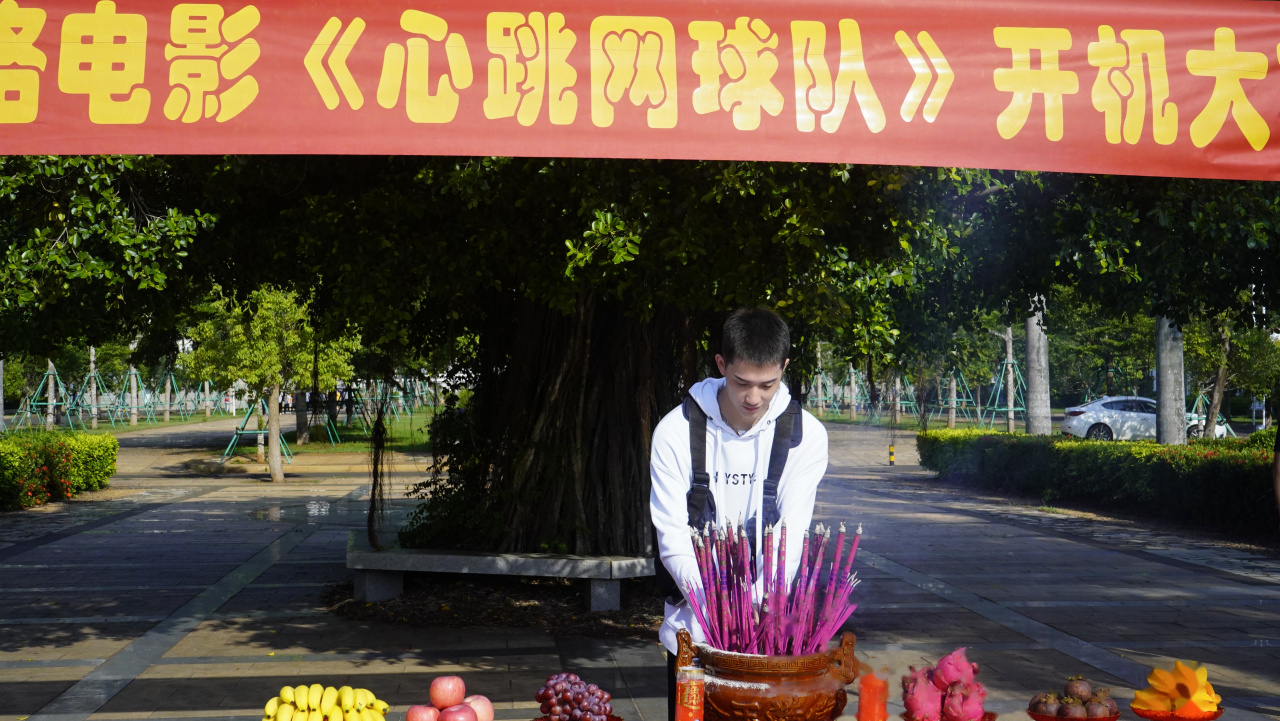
690, 688
873, 698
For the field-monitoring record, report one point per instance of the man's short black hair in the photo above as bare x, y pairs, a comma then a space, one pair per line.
755, 335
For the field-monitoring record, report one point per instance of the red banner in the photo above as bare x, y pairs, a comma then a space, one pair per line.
1148, 87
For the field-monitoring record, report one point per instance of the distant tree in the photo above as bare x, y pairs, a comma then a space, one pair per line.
89, 243
267, 341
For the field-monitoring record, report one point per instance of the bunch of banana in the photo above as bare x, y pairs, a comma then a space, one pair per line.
317, 703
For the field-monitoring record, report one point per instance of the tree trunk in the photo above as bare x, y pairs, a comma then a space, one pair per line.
51, 394
873, 393
302, 422
853, 396
951, 403
817, 383
1, 392
551, 451
262, 425
275, 463
1275, 467
1010, 391
133, 396
1171, 402
1219, 383
897, 399
1039, 415
93, 389
315, 409
208, 402
168, 395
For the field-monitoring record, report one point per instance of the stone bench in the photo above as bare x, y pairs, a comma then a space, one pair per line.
379, 575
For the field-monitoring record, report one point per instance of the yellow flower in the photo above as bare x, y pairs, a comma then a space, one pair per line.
1151, 700
1185, 690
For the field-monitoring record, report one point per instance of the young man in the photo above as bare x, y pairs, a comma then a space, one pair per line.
760, 461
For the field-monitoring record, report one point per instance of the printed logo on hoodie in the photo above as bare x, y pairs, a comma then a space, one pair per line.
735, 479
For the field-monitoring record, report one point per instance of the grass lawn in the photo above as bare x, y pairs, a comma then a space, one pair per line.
408, 434
104, 426
912, 422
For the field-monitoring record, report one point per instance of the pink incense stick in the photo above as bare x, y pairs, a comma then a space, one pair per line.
853, 551
779, 588
835, 568
807, 616
786, 615
803, 574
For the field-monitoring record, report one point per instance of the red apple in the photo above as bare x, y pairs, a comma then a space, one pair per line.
460, 712
482, 706
422, 713
447, 691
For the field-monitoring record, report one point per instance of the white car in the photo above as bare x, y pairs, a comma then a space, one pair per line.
1125, 418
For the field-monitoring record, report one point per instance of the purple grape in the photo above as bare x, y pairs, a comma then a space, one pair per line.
592, 688
608, 709
607, 697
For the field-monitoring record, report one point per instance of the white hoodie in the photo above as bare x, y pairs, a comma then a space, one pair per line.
737, 464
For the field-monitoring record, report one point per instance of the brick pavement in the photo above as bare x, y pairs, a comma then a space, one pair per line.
197, 597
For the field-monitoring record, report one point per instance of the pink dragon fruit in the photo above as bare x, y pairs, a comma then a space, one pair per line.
964, 702
954, 668
974, 701
922, 698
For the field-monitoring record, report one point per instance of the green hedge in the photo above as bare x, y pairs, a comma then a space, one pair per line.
93, 460
1224, 484
39, 466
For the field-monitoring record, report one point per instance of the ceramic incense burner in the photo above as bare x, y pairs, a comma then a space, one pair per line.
773, 688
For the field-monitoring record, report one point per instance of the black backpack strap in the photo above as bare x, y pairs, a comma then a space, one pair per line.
701, 504
787, 434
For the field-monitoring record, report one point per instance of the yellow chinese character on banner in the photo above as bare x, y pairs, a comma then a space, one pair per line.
1121, 97
746, 55
104, 55
20, 86
1025, 82
635, 56
1228, 67
533, 60
420, 104
200, 60
816, 94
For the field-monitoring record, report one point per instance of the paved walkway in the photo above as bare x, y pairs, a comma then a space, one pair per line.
198, 597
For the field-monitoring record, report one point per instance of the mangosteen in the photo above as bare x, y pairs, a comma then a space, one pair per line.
1072, 708
1045, 703
1077, 688
1096, 709
1103, 696
1046, 707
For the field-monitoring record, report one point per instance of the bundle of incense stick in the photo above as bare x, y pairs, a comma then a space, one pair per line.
748, 610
